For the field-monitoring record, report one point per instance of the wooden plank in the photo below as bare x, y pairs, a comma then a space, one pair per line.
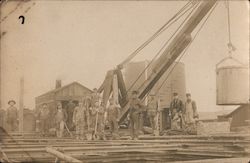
223, 160
115, 89
62, 156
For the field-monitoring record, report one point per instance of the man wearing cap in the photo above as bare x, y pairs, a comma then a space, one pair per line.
79, 118
12, 116
113, 112
176, 107
135, 110
60, 118
95, 97
190, 110
70, 111
44, 119
101, 122
152, 107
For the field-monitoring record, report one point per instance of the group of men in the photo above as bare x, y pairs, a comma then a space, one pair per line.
90, 116
182, 115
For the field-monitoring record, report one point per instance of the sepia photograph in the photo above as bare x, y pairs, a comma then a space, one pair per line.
124, 81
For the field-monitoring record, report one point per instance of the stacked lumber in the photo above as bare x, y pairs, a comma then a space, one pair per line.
146, 149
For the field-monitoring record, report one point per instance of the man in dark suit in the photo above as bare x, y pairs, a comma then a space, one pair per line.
176, 107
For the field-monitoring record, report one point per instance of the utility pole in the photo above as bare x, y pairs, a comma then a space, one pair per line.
21, 105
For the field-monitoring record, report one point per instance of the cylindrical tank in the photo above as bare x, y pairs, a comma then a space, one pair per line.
232, 84
175, 80
131, 73
175, 83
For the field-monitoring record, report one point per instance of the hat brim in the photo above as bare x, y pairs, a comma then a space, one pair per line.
12, 101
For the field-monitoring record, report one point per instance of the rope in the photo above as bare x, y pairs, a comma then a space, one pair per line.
230, 45
184, 52
157, 33
194, 7
159, 52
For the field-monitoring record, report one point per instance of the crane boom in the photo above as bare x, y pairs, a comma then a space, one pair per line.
174, 49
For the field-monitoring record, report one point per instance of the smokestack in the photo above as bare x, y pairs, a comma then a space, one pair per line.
58, 84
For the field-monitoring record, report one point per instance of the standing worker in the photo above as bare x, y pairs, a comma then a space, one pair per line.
100, 122
79, 118
190, 111
70, 110
2, 118
152, 108
87, 105
60, 118
176, 107
113, 112
93, 119
135, 110
12, 116
95, 97
44, 119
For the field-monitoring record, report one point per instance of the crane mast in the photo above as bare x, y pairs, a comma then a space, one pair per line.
178, 44
173, 51
176, 47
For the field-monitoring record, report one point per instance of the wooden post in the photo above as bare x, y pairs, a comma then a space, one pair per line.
61, 155
115, 89
158, 119
21, 105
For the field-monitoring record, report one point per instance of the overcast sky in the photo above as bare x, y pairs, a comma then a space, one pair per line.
82, 40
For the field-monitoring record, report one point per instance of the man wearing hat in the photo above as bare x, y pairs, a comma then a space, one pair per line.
135, 110
12, 116
152, 107
176, 107
190, 110
113, 112
79, 118
95, 97
44, 119
60, 119
70, 111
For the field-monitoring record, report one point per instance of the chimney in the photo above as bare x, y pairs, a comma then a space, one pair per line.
58, 84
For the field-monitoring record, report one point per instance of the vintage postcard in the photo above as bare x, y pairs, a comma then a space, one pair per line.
124, 81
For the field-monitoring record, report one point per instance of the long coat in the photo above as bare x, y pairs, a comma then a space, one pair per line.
176, 104
190, 112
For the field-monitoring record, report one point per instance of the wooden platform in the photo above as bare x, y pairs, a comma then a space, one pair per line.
147, 149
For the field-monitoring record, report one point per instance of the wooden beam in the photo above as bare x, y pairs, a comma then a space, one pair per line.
115, 89
107, 87
61, 155
224, 160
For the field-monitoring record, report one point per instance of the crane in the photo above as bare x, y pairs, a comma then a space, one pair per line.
114, 84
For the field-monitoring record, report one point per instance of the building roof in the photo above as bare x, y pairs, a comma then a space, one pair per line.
246, 106
63, 87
